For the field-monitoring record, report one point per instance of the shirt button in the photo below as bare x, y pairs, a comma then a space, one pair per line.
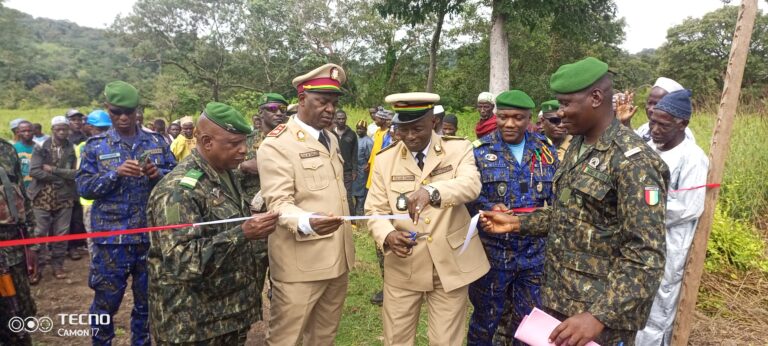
427, 221
424, 182
429, 239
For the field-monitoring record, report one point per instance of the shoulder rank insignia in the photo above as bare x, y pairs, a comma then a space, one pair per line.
190, 179
450, 138
632, 151
390, 146
277, 131
477, 143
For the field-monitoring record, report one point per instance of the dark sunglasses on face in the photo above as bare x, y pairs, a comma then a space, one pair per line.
274, 108
118, 111
554, 120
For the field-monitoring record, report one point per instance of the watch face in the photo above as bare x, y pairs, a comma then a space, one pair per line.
434, 196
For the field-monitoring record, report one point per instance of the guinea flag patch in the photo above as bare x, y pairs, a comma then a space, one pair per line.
651, 195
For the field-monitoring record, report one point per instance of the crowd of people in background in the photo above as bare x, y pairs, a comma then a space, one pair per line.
602, 247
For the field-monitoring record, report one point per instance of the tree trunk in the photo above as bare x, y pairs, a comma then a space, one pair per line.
433, 51
499, 79
718, 155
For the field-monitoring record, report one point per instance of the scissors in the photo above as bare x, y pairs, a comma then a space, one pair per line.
417, 235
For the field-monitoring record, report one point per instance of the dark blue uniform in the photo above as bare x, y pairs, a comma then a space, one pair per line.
517, 262
120, 203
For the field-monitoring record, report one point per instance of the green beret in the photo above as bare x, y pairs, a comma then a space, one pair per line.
121, 94
571, 78
550, 106
227, 117
514, 99
272, 97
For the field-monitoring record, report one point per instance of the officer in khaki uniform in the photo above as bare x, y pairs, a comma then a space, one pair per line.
431, 178
302, 174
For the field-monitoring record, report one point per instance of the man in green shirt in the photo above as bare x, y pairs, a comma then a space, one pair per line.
24, 148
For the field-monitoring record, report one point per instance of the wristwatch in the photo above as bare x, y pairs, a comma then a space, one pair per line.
434, 195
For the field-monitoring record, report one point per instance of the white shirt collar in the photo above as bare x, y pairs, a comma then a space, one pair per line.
315, 133
425, 151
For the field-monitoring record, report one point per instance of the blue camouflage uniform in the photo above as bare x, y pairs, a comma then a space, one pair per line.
517, 262
120, 203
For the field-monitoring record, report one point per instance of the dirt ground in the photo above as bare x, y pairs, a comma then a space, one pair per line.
734, 312
73, 296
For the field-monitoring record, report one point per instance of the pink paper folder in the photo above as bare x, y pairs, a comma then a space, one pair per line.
535, 328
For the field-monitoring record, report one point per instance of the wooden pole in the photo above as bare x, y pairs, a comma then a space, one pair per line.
721, 138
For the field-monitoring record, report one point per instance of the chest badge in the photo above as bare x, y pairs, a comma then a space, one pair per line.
402, 203
300, 135
501, 189
593, 162
539, 187
491, 157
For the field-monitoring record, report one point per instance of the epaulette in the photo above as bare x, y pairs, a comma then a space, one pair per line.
96, 137
390, 146
450, 138
277, 131
632, 151
190, 179
477, 143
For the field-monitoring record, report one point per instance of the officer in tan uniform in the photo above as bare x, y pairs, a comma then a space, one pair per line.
302, 176
430, 178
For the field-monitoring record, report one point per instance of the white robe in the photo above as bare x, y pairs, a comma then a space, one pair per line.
688, 167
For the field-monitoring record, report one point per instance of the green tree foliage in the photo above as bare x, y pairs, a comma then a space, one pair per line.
696, 54
418, 12
183, 53
70, 61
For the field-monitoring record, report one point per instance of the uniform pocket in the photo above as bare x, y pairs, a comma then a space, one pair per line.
398, 267
595, 202
456, 239
322, 252
495, 184
584, 275
315, 176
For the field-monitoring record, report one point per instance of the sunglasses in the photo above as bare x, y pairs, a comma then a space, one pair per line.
554, 120
118, 111
274, 108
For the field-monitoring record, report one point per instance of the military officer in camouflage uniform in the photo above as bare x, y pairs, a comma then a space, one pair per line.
516, 167
15, 219
205, 282
605, 231
272, 109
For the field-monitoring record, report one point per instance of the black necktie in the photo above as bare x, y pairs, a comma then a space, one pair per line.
420, 160
324, 140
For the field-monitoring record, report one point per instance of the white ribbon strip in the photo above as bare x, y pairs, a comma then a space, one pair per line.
470, 232
296, 216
